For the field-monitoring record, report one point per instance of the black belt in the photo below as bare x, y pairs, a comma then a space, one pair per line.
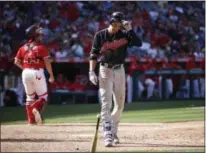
111, 66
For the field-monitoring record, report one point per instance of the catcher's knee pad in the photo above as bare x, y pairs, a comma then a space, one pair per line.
30, 98
43, 96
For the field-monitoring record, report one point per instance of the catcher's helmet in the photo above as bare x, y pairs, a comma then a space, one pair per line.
117, 17
34, 31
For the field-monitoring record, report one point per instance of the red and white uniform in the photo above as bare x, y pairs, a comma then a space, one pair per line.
202, 79
190, 64
32, 56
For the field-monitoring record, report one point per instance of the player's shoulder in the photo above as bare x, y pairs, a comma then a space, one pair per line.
123, 32
101, 32
41, 46
23, 47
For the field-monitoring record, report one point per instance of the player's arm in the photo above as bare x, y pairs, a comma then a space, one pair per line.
18, 59
94, 53
49, 69
47, 62
93, 59
134, 39
18, 63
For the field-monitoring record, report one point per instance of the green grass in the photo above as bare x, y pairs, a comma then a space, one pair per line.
143, 112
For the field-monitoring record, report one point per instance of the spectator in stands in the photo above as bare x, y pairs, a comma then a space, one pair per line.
77, 48
174, 21
61, 53
199, 54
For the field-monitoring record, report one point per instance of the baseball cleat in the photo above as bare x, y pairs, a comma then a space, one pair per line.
116, 139
108, 144
38, 117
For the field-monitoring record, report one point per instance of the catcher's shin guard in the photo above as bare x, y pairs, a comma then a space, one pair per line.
37, 107
30, 115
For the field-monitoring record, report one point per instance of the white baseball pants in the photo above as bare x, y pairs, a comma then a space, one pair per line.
112, 85
34, 83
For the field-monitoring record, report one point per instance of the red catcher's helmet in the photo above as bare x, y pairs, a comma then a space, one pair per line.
34, 31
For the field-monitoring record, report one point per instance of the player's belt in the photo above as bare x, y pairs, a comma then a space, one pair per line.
112, 66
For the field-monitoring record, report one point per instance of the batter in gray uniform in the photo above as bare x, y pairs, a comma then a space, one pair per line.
110, 45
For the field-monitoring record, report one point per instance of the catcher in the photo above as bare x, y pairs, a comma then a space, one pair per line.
32, 58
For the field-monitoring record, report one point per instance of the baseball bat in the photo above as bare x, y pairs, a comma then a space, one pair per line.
94, 142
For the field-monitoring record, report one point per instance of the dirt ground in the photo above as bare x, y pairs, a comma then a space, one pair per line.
77, 137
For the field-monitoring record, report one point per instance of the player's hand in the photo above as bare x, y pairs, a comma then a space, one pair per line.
51, 79
93, 77
127, 25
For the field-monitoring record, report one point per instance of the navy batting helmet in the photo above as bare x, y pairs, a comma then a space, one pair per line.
34, 31
117, 17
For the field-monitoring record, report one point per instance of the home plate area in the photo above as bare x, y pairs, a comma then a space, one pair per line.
77, 137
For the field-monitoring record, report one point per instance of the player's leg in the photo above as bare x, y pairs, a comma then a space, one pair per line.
196, 88
187, 87
169, 89
140, 89
202, 87
129, 88
41, 91
105, 90
159, 87
150, 87
30, 94
119, 99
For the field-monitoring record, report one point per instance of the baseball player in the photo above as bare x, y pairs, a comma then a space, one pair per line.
32, 58
111, 45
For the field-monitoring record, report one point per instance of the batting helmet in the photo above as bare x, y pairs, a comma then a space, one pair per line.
117, 17
34, 31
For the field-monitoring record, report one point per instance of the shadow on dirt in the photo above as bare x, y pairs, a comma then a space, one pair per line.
155, 145
41, 140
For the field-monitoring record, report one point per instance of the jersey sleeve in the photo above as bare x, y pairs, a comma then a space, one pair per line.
95, 47
44, 52
19, 55
134, 40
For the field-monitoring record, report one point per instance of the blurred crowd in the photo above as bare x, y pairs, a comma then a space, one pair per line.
168, 29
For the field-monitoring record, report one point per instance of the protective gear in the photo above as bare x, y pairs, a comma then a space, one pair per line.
93, 77
36, 108
117, 17
30, 115
34, 31
126, 25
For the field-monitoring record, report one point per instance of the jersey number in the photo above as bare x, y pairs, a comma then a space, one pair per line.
32, 57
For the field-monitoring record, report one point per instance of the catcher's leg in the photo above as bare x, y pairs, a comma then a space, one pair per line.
119, 99
30, 95
41, 89
105, 90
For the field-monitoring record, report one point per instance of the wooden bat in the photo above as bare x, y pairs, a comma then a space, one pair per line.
94, 142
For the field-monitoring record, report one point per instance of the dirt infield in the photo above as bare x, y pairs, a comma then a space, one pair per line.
77, 137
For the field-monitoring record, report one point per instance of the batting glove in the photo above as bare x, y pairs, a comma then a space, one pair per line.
93, 77
127, 25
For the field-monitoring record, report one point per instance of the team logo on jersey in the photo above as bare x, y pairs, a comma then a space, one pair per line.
114, 44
